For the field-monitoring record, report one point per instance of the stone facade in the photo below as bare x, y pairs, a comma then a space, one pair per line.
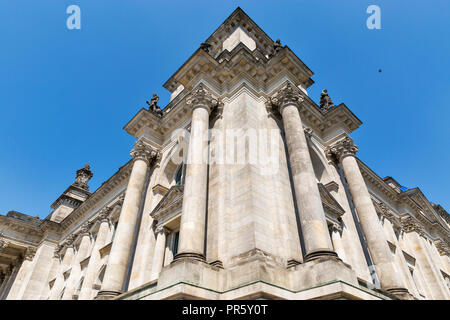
185, 220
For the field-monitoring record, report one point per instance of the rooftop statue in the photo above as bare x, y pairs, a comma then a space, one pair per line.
277, 46
83, 176
325, 100
205, 46
153, 105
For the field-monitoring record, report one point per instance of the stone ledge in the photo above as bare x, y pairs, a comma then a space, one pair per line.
317, 279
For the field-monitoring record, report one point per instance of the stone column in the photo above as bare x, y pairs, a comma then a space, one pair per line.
344, 151
160, 248
66, 262
336, 232
23, 271
312, 217
193, 216
94, 260
11, 275
433, 278
83, 251
116, 269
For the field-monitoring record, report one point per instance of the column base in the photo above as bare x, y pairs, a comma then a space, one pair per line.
107, 295
217, 263
189, 255
321, 253
292, 263
401, 293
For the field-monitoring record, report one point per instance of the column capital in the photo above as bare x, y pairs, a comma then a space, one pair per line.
336, 227
341, 149
68, 243
162, 229
85, 229
442, 247
30, 253
57, 252
103, 216
3, 244
143, 151
409, 224
201, 98
288, 95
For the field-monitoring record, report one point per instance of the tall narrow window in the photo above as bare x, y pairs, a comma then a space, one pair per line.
179, 177
114, 231
175, 243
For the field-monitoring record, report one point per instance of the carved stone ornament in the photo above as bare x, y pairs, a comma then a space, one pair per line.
3, 244
104, 214
162, 229
442, 247
201, 98
83, 176
386, 212
336, 227
341, 149
289, 95
410, 225
142, 151
69, 241
57, 253
121, 199
85, 228
308, 132
30, 253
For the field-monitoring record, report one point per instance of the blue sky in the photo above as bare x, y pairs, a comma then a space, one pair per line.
65, 95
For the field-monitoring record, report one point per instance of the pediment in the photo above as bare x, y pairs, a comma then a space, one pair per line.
329, 203
172, 201
241, 28
428, 214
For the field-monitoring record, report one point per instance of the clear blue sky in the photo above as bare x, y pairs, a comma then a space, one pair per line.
66, 94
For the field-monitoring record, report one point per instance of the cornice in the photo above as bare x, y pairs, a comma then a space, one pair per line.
21, 226
377, 182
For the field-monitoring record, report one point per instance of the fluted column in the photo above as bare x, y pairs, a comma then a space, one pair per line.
192, 227
312, 217
83, 250
160, 248
336, 238
66, 262
23, 271
344, 152
123, 240
94, 260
